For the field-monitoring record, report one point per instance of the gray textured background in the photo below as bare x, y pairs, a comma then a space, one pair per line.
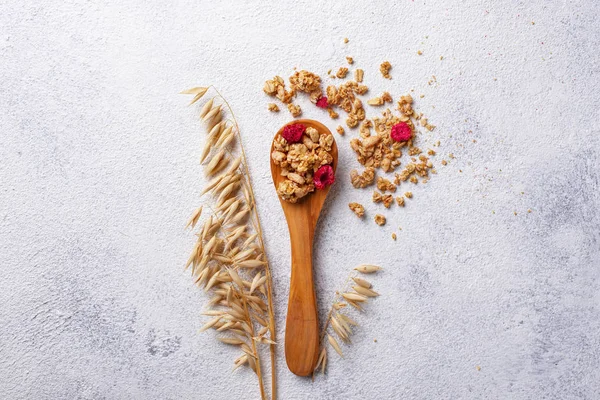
98, 170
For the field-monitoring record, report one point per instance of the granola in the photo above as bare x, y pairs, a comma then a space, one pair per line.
385, 185
362, 180
276, 87
384, 68
308, 82
357, 209
295, 110
342, 72
379, 219
300, 162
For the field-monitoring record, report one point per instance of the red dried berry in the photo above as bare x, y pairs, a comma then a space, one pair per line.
324, 177
401, 132
293, 132
322, 102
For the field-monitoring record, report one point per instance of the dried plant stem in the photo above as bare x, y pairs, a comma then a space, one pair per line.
257, 227
254, 350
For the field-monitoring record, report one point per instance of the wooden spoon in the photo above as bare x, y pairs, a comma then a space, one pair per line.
302, 323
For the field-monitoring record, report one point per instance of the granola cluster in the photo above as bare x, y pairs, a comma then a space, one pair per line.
363, 179
300, 81
357, 209
307, 82
301, 161
276, 87
384, 68
345, 96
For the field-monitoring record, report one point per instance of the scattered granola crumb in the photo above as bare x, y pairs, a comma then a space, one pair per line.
276, 87
514, 212
419, 52
444, 162
379, 219
332, 113
385, 68
529, 210
387, 200
365, 128
350, 60
340, 130
346, 40
342, 72
329, 72
358, 75
357, 209
375, 101
400, 201
478, 368
441, 57
386, 97
451, 155
377, 197
385, 185
295, 110
273, 107
362, 180
431, 152
394, 236
408, 195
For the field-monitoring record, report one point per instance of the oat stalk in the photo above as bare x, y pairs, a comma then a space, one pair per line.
356, 291
229, 258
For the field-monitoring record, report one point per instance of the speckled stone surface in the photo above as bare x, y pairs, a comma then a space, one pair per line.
99, 173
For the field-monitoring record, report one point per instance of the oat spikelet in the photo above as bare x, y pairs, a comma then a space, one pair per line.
228, 259
335, 345
368, 269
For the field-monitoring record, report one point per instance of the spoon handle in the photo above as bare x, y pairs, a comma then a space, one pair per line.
302, 324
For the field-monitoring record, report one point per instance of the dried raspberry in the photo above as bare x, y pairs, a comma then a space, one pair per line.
324, 177
293, 132
322, 102
401, 132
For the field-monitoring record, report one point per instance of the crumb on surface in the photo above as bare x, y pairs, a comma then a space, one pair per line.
342, 72
295, 110
385, 68
346, 40
357, 209
358, 75
273, 107
350, 60
380, 219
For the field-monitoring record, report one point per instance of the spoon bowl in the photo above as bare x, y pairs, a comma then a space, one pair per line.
302, 322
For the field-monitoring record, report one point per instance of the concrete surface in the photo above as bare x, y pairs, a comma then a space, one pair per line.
99, 173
